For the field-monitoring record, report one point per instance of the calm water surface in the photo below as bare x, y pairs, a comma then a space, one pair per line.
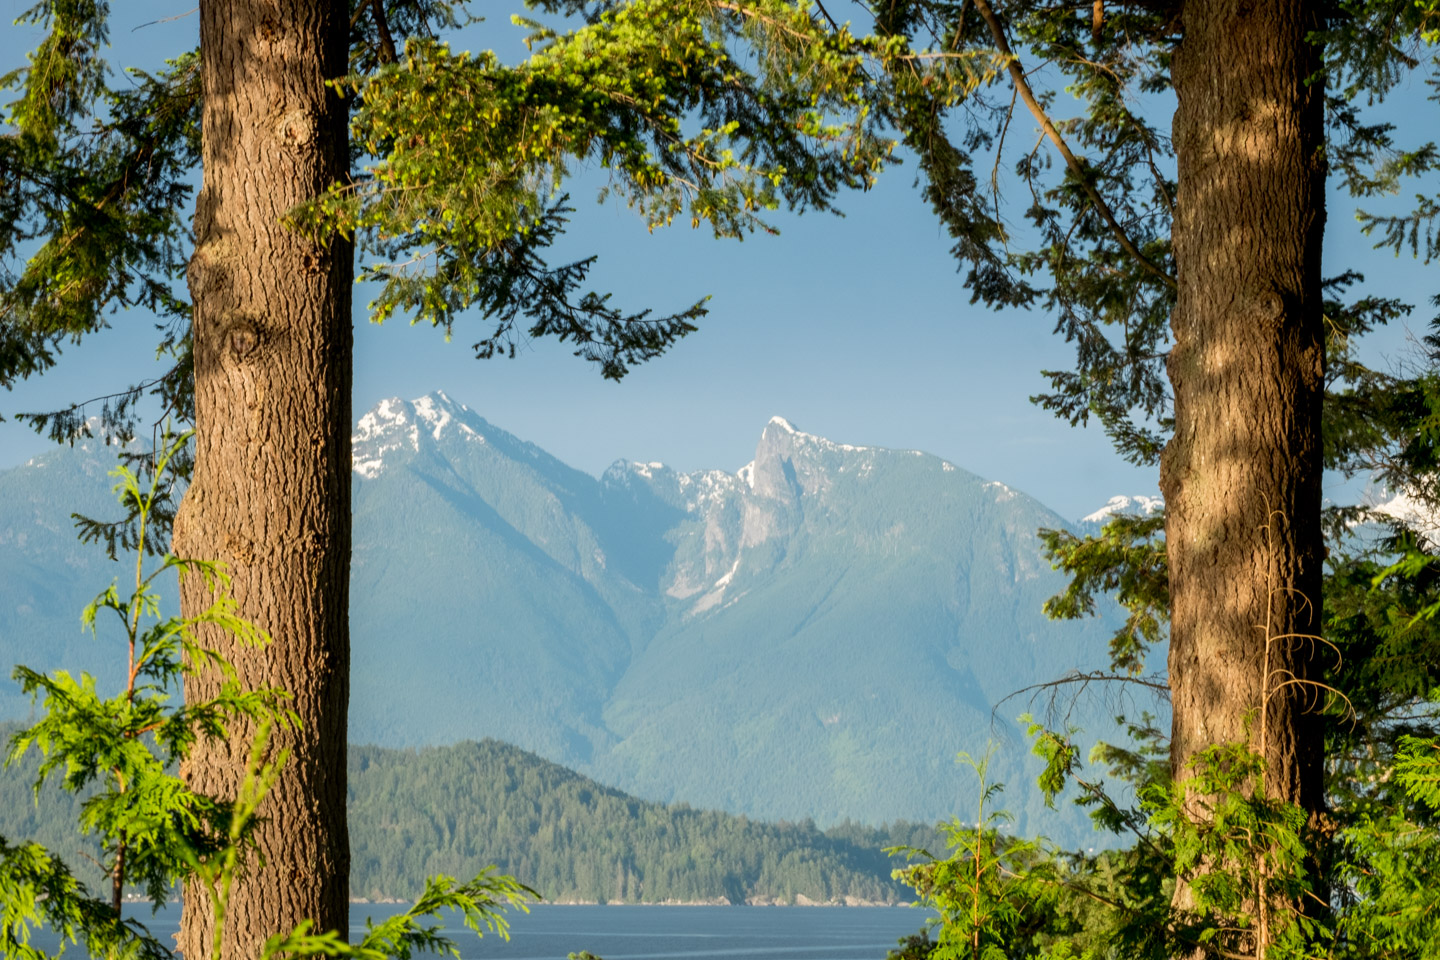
550, 932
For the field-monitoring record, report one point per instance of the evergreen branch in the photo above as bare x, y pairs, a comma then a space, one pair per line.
1082, 176
1417, 765
38, 890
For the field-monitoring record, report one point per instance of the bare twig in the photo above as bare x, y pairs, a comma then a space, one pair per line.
999, 149
1085, 679
826, 13
178, 16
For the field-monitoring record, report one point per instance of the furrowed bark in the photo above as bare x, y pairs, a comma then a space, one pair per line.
1247, 371
271, 490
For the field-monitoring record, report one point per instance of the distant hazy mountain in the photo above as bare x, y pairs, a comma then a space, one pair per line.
814, 635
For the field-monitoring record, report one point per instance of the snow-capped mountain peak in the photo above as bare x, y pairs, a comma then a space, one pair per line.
1138, 504
784, 424
394, 424
799, 438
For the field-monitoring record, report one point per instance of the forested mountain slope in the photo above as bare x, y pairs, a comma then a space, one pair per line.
455, 810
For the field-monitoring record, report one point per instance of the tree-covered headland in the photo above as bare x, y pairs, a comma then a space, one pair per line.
455, 810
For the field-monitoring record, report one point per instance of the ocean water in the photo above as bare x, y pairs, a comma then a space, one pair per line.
713, 933
551, 932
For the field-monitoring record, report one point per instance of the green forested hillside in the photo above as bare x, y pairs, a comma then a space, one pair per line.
455, 810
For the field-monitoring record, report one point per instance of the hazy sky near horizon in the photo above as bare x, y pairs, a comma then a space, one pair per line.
857, 329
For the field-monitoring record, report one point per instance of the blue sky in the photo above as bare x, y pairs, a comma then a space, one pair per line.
858, 329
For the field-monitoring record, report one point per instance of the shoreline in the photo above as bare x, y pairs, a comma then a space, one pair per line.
800, 901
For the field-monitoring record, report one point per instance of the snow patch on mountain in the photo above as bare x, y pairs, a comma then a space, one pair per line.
647, 470
388, 427
717, 591
386, 414
436, 415
724, 581
784, 424
1414, 513
369, 469
705, 489
1003, 492
1139, 504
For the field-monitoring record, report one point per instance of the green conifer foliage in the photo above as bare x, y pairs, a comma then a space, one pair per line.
119, 754
125, 746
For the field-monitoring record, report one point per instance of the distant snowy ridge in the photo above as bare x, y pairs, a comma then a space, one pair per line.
1403, 506
765, 500
1413, 512
89, 437
1138, 504
802, 437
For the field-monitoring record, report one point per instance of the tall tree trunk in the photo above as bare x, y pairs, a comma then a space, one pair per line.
271, 490
1241, 476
